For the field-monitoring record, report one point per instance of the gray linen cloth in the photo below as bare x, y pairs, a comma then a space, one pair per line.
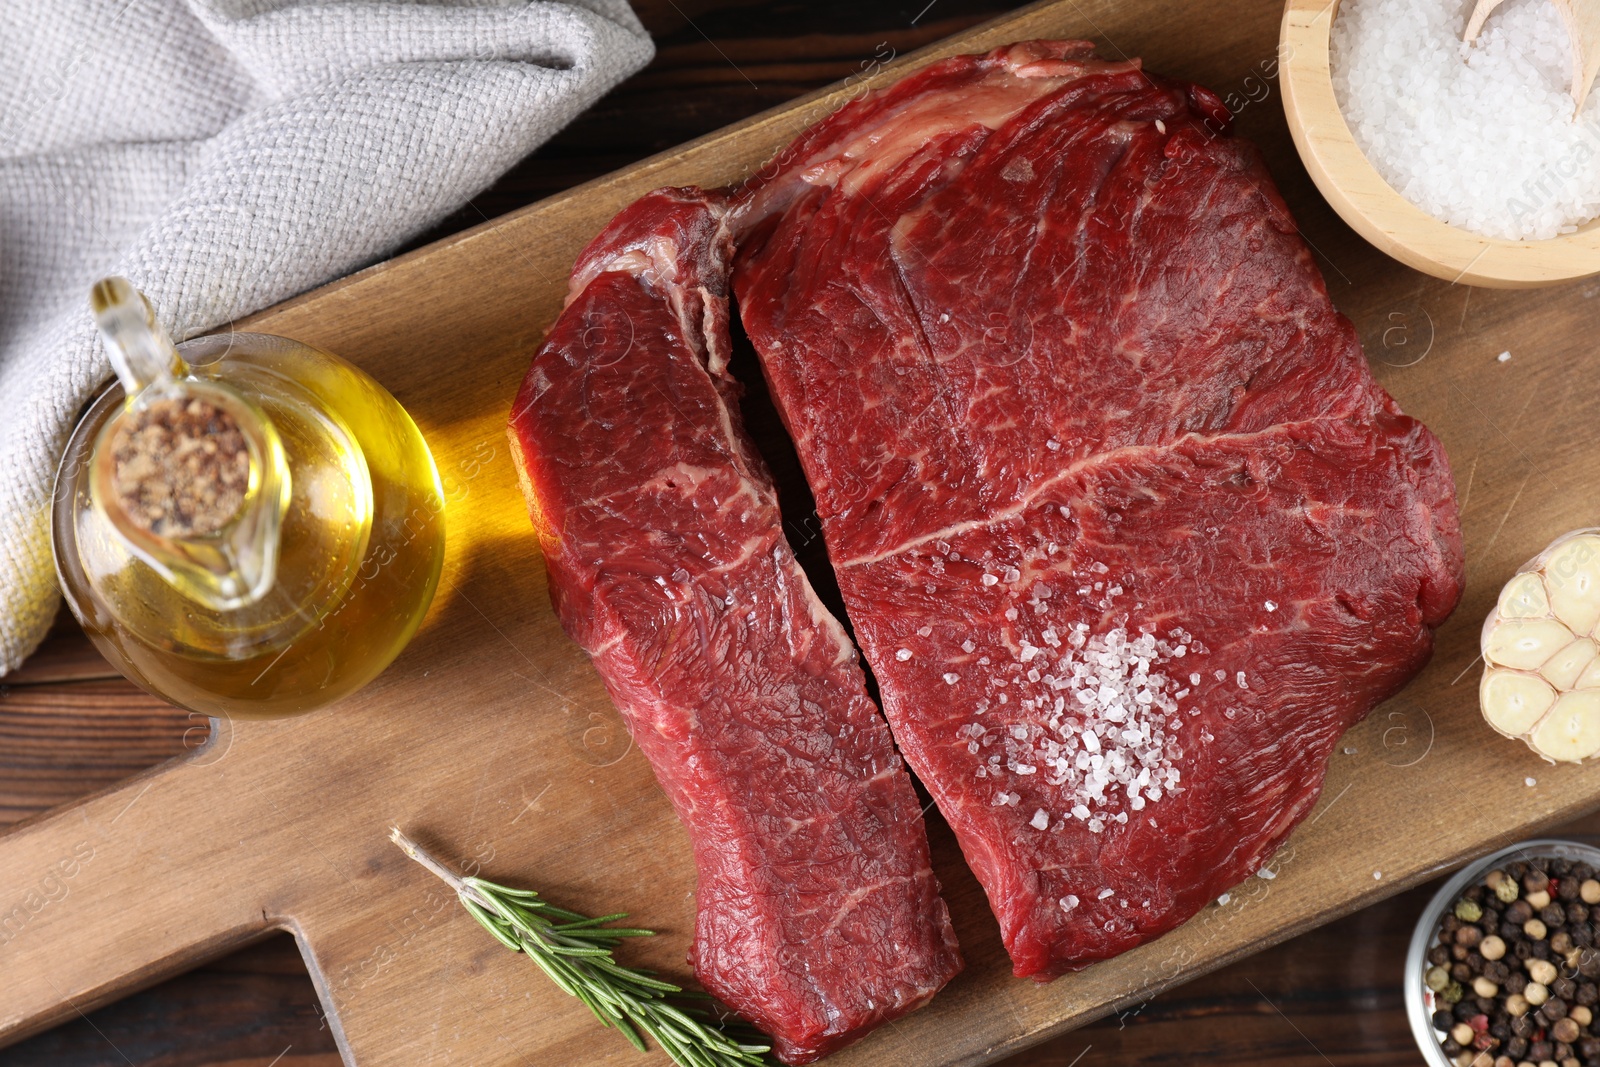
227, 154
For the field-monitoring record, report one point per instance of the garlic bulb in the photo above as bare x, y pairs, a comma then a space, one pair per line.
1541, 678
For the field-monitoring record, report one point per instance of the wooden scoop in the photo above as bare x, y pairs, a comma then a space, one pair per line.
1583, 30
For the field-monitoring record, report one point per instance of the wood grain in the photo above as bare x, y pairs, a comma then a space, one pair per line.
280, 825
1381, 215
1336, 987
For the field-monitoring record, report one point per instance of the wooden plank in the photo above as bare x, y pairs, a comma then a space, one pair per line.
110, 729
65, 656
206, 1018
1329, 997
492, 740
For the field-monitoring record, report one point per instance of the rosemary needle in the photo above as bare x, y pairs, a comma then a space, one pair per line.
576, 952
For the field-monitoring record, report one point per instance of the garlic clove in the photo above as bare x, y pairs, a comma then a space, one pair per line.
1571, 731
1513, 702
1563, 669
1525, 644
1590, 678
1541, 651
1572, 578
1524, 598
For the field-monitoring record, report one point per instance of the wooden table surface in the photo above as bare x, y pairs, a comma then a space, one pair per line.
69, 725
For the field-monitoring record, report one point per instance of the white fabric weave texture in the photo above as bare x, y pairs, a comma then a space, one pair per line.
228, 154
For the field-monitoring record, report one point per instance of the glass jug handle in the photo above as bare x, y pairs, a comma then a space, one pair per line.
140, 351
223, 569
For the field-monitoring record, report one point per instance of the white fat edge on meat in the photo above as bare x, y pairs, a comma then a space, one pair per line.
890, 138
653, 260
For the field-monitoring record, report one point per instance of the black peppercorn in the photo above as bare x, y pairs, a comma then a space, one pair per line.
1568, 889
1469, 935
1553, 1009
1438, 955
1577, 912
1524, 1027
1588, 994
1515, 982
1499, 1030
1485, 1004
1564, 988
1461, 972
1553, 914
1522, 950
1517, 869
1509, 932
1517, 1047
1540, 1050
1496, 971
1450, 1046
1533, 882
1474, 893
1518, 913
1443, 1020
1540, 950
1464, 1010
1589, 1046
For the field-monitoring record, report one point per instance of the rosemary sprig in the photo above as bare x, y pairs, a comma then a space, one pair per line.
576, 952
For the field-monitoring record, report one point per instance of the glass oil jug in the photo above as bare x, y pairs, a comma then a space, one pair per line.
244, 525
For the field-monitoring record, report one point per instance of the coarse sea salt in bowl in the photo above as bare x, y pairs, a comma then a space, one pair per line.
1438, 128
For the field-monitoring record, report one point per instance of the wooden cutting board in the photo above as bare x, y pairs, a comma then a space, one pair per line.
492, 741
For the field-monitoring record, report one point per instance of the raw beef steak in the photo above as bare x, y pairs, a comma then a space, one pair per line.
819, 916
1127, 531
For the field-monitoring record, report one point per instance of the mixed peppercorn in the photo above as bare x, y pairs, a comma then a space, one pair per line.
1516, 968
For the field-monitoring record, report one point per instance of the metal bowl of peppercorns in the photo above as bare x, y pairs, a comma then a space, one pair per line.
1504, 967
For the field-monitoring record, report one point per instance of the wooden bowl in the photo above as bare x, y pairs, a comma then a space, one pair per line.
1378, 213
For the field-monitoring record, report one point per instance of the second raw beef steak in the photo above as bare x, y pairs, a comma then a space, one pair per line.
1127, 531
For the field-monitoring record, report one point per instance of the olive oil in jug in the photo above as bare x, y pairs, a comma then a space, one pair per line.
244, 525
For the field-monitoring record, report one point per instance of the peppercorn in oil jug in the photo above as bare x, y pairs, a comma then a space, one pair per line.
244, 525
